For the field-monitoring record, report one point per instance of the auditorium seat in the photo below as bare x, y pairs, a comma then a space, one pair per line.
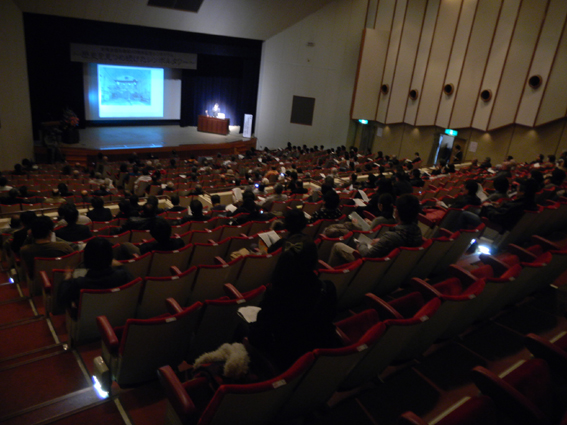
117, 304
157, 289
256, 271
244, 404
134, 352
366, 278
69, 261
219, 319
341, 278
203, 236
438, 249
527, 393
205, 253
210, 279
553, 351
461, 244
163, 260
478, 410
330, 368
326, 245
139, 265
137, 236
404, 318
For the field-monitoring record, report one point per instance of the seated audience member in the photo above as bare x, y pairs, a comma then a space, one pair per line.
100, 273
294, 223
197, 190
196, 208
64, 190
145, 221
161, 232
416, 158
155, 202
99, 212
42, 245
12, 197
385, 213
20, 236
174, 199
14, 226
416, 180
297, 309
486, 164
135, 203
470, 197
72, 232
299, 189
126, 210
330, 209
4, 184
83, 219
278, 195
402, 184
217, 206
508, 213
144, 179
501, 186
555, 181
101, 191
406, 233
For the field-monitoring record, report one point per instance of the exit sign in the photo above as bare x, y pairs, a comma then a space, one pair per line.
451, 132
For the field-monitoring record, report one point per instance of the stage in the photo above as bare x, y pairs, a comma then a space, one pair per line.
119, 142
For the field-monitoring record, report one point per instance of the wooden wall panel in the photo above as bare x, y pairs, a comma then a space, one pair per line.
514, 75
438, 61
369, 76
458, 53
543, 60
496, 60
406, 60
422, 59
392, 57
554, 101
483, 31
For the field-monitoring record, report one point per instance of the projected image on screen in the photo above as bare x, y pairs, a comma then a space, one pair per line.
129, 92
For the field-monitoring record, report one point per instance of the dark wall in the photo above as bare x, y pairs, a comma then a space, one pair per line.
227, 68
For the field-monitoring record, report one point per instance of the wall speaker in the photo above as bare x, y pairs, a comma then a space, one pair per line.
385, 89
413, 94
449, 89
486, 95
535, 81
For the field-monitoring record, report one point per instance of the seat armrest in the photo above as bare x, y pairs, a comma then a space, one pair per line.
385, 310
425, 289
445, 232
546, 244
176, 394
173, 306
108, 335
522, 254
342, 336
47, 286
324, 265
498, 266
174, 270
220, 261
356, 255
463, 275
231, 291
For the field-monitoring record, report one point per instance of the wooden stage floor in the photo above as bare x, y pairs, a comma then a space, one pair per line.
119, 142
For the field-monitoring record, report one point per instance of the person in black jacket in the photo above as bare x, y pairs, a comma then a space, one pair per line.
298, 308
72, 232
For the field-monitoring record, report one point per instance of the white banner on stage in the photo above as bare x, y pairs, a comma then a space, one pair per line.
247, 132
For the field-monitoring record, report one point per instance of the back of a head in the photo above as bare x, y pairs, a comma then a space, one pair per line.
97, 202
70, 213
215, 199
331, 199
386, 200
501, 184
161, 230
278, 189
299, 257
529, 188
557, 176
196, 208
13, 193
41, 227
134, 199
295, 221
408, 208
471, 186
3, 181
175, 199
98, 254
28, 217
153, 200
149, 210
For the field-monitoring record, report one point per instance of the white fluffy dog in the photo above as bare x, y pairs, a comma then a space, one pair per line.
235, 357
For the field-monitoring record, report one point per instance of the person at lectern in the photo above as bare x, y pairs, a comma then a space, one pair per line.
216, 110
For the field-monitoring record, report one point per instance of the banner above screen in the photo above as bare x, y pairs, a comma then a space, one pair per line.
125, 56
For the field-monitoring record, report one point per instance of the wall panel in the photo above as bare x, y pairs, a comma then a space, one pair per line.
438, 61
554, 102
528, 143
543, 61
496, 59
371, 66
514, 75
474, 65
406, 60
458, 53
422, 59
392, 57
